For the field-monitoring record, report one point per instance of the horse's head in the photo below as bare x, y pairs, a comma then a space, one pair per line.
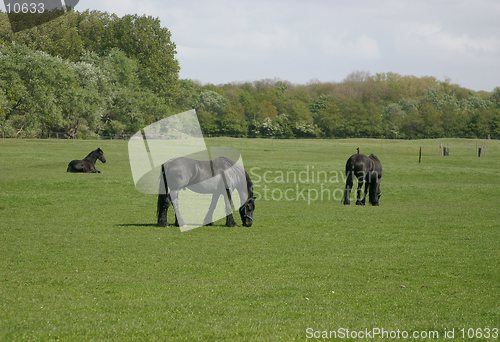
100, 155
246, 212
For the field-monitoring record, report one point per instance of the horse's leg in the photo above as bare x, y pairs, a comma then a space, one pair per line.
169, 202
373, 191
229, 211
358, 192
174, 196
367, 184
207, 221
161, 210
348, 187
89, 167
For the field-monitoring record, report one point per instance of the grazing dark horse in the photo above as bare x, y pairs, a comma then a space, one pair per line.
218, 177
87, 164
367, 170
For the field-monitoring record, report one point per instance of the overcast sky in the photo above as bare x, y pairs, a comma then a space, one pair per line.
298, 40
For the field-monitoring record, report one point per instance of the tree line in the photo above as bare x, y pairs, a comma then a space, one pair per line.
93, 74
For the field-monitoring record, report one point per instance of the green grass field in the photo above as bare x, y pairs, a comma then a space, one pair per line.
80, 258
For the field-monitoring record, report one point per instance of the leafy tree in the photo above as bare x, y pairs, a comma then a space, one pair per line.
143, 38
495, 97
189, 93
232, 123
304, 129
393, 116
94, 73
84, 105
278, 127
211, 101
328, 118
208, 122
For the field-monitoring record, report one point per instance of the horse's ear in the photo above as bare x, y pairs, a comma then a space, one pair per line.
99, 149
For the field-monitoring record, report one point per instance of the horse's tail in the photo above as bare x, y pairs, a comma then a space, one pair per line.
70, 167
161, 210
349, 172
372, 194
375, 169
161, 204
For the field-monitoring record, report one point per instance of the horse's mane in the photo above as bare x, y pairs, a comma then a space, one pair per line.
240, 171
249, 185
91, 153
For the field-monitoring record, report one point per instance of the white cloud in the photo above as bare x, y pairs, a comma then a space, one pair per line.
361, 47
436, 37
228, 40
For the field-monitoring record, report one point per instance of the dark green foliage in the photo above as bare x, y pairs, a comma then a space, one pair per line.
384, 105
94, 73
43, 93
85, 74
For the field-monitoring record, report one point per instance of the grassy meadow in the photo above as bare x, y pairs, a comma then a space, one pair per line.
81, 258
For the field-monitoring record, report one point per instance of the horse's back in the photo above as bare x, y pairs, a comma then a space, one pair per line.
75, 166
201, 175
221, 164
72, 166
182, 172
357, 164
235, 174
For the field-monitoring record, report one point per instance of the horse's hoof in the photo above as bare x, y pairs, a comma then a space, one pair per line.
208, 224
346, 203
359, 203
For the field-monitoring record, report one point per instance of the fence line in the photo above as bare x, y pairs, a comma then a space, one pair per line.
64, 135
120, 136
126, 136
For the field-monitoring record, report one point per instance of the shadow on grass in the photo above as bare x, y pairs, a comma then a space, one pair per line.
127, 225
154, 225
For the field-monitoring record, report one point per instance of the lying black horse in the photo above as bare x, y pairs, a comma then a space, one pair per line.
87, 164
367, 170
218, 177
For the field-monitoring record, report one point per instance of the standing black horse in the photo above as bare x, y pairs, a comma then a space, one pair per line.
218, 177
87, 164
367, 170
